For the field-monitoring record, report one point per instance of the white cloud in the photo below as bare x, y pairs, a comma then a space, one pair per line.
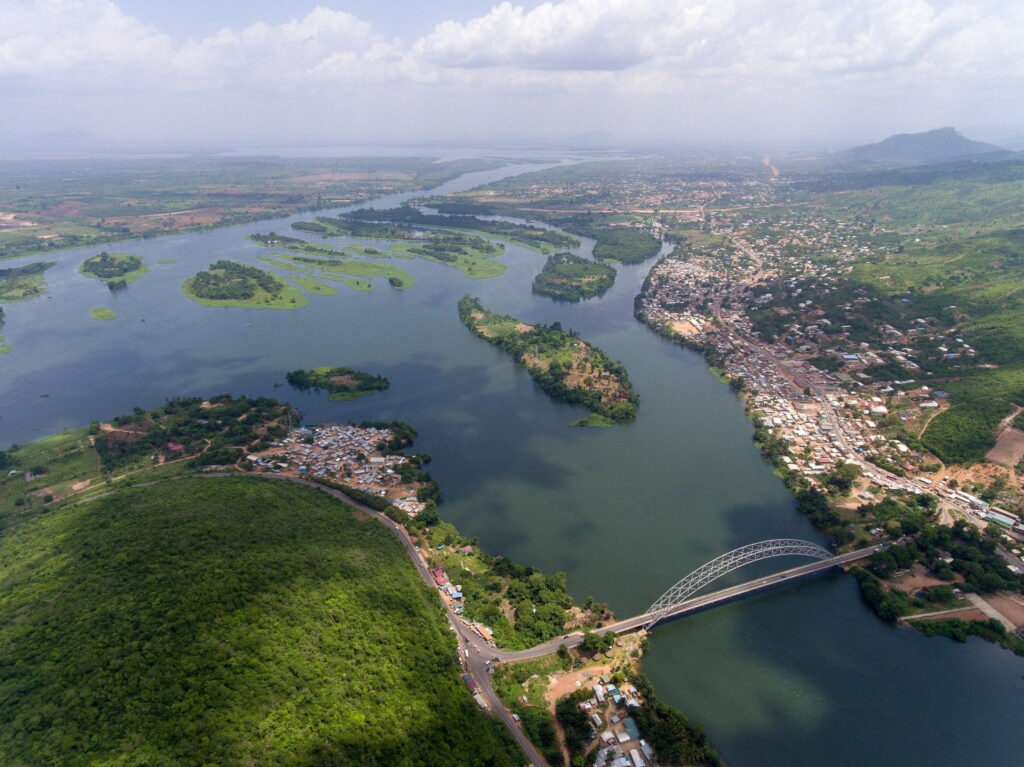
699, 56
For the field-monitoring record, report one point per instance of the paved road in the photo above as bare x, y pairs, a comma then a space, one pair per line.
693, 605
478, 655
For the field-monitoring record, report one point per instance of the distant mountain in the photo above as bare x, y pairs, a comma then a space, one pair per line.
938, 145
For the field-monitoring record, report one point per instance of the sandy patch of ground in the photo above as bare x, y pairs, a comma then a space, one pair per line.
683, 328
916, 580
564, 683
80, 485
1009, 448
1010, 605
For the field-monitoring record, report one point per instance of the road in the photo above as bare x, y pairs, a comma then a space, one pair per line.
477, 654
693, 605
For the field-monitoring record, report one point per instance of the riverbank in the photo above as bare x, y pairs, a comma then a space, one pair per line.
799, 429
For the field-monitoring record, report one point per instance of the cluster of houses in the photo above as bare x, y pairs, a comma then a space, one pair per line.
621, 744
348, 454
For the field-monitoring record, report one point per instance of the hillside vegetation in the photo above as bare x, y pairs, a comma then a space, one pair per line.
226, 621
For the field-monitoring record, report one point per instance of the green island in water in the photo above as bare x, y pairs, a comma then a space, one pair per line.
115, 269
342, 383
230, 283
103, 313
562, 364
20, 283
573, 278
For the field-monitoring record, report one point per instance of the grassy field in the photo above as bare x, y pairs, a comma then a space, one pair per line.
324, 269
103, 314
227, 621
312, 286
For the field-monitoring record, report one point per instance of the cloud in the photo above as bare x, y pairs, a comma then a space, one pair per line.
698, 55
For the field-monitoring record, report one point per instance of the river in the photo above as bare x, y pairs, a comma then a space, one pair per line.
805, 675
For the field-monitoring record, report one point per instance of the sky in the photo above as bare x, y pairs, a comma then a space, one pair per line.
687, 72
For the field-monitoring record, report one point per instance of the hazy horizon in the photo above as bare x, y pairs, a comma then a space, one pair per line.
472, 73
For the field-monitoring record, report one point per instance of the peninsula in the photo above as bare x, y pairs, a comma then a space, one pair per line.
562, 364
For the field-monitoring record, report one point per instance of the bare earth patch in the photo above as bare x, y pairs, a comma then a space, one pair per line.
916, 580
1009, 448
967, 614
1009, 605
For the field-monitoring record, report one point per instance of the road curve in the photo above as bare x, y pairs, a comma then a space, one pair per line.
479, 654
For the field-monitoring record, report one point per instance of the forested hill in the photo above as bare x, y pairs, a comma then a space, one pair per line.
937, 145
229, 621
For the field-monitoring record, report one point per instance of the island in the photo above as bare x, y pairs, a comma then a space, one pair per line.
312, 262
562, 364
115, 269
230, 283
21, 283
342, 383
103, 313
572, 278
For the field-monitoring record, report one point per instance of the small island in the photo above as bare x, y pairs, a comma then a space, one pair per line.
115, 269
341, 383
230, 283
562, 364
103, 313
21, 283
567, 277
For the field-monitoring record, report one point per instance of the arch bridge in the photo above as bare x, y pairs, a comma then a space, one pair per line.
726, 563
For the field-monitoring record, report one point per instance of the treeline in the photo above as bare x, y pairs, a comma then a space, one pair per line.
608, 393
571, 278
328, 227
449, 246
277, 239
232, 281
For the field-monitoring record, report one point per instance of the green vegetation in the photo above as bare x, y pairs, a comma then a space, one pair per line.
342, 383
396, 277
958, 630
529, 679
964, 433
227, 621
23, 282
613, 243
312, 286
215, 432
594, 421
115, 269
562, 364
572, 278
103, 314
230, 283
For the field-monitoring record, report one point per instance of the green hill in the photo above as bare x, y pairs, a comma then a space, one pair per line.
229, 621
937, 145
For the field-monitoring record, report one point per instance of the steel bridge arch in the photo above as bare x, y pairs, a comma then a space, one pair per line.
733, 560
